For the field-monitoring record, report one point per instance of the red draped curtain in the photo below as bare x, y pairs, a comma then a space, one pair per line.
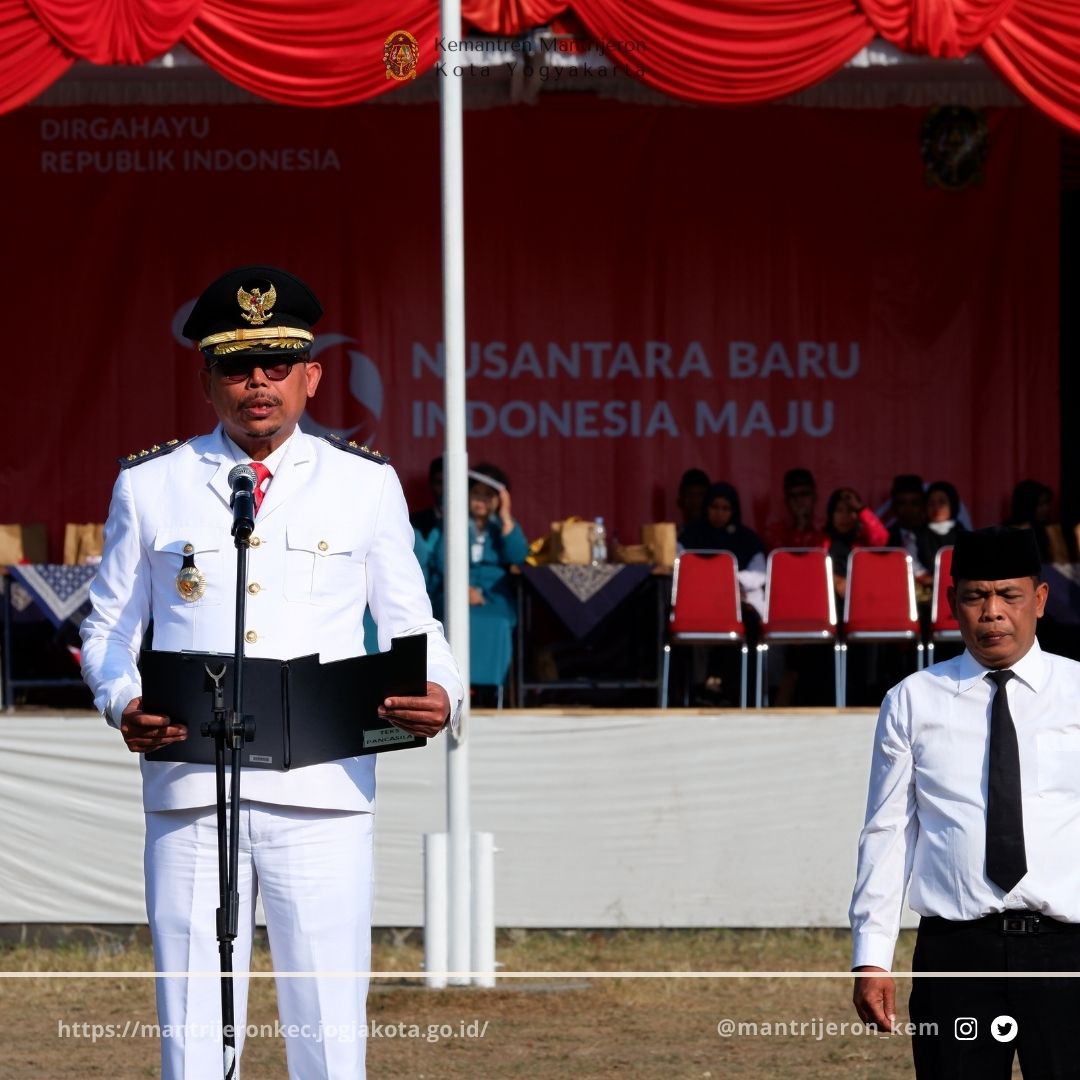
329, 52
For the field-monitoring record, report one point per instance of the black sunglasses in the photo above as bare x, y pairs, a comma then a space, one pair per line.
234, 371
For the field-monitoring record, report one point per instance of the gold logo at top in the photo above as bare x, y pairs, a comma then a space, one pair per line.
400, 54
255, 305
954, 145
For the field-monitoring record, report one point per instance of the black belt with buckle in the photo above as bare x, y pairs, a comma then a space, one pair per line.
1020, 924
1027, 922
1002, 922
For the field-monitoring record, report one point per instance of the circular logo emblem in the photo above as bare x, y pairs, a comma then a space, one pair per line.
400, 54
953, 143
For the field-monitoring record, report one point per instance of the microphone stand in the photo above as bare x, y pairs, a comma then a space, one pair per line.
231, 728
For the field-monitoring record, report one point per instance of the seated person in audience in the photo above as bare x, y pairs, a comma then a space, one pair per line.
720, 528
850, 523
692, 488
496, 543
799, 529
1031, 507
424, 521
941, 529
907, 507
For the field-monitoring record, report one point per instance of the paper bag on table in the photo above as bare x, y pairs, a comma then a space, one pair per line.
632, 553
23, 543
83, 544
570, 542
659, 538
11, 545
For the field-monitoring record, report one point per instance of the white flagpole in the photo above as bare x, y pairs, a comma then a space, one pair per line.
456, 495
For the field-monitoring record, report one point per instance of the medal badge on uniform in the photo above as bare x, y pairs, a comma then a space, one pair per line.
190, 583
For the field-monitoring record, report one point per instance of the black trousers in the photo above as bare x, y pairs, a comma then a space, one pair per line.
1046, 1011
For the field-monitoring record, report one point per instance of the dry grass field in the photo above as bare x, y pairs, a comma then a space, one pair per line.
548, 1028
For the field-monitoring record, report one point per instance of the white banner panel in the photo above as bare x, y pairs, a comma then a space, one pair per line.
650, 819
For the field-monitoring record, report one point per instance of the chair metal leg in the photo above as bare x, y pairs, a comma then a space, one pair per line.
742, 687
840, 669
920, 656
930, 653
844, 661
762, 665
664, 677
499, 697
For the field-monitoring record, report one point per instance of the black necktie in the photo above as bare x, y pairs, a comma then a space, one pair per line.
1006, 860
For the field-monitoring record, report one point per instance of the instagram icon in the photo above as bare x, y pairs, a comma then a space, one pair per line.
966, 1028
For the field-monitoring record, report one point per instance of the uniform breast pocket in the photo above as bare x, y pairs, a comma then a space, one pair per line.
188, 564
1058, 758
323, 567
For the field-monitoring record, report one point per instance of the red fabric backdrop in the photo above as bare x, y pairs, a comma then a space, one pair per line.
329, 52
744, 290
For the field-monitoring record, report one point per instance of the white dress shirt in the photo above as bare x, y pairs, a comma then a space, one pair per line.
926, 810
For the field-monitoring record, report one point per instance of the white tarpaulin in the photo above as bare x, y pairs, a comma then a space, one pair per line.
600, 820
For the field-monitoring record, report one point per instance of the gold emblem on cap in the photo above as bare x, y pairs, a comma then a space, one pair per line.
400, 54
255, 305
190, 584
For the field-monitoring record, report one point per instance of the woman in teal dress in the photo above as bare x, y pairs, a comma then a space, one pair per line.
496, 543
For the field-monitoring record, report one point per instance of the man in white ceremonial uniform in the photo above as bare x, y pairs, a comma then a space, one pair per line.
975, 800
331, 538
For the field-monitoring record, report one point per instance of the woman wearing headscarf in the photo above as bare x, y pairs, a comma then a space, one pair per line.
496, 543
720, 528
943, 523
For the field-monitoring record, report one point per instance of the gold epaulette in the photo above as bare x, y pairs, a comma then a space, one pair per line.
354, 448
157, 450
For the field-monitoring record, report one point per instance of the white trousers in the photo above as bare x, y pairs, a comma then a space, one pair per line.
313, 869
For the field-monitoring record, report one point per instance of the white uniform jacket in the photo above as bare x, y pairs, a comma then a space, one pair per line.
332, 537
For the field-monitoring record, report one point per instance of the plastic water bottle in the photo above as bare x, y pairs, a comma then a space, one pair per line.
599, 542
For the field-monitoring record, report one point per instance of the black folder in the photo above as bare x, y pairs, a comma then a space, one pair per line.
305, 712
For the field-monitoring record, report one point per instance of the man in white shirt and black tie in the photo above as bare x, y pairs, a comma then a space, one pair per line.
975, 801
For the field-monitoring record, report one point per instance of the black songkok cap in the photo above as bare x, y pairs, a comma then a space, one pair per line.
255, 309
795, 478
906, 484
996, 554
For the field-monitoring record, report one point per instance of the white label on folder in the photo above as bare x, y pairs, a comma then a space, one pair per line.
385, 736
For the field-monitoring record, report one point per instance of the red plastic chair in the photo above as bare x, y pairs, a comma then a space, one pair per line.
705, 608
943, 626
879, 601
800, 609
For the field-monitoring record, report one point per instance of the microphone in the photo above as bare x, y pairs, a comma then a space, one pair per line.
242, 480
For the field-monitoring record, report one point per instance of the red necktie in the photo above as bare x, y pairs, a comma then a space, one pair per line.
262, 474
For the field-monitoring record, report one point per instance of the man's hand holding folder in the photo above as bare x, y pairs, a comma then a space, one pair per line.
423, 716
144, 732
